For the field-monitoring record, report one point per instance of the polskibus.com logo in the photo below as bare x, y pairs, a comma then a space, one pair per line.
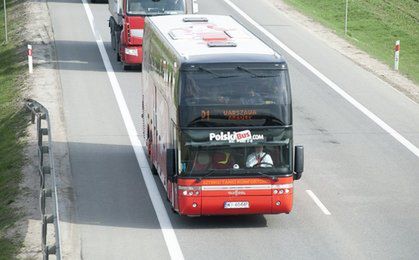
236, 137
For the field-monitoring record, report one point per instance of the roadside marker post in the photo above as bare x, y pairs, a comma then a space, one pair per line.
346, 17
5, 20
396, 55
30, 64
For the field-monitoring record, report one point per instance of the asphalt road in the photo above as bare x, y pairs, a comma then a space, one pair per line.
365, 177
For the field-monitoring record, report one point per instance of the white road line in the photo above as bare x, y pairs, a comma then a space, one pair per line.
318, 202
331, 84
165, 224
57, 209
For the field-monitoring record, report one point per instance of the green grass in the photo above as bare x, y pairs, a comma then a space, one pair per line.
373, 26
12, 128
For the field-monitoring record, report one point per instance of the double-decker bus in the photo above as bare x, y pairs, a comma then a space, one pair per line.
218, 117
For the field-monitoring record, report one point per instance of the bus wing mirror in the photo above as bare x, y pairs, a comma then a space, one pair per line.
299, 162
195, 8
192, 7
170, 163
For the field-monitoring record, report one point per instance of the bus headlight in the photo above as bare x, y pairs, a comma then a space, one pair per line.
190, 190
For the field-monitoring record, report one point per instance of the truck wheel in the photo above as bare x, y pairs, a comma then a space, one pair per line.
113, 42
117, 39
153, 169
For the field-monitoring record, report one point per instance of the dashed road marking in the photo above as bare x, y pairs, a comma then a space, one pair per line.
318, 202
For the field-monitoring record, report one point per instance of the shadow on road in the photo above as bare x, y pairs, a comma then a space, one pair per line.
110, 191
83, 56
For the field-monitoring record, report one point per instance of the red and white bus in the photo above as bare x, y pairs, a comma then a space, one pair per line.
218, 117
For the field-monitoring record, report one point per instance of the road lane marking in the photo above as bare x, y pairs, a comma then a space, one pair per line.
318, 202
162, 216
411, 147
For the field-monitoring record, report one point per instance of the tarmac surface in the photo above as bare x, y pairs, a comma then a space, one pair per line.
366, 179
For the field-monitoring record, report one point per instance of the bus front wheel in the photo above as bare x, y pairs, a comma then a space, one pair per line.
153, 169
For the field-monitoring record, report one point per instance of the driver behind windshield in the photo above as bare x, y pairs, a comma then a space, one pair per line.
139, 6
259, 158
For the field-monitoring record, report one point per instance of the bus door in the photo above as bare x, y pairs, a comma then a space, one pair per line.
172, 143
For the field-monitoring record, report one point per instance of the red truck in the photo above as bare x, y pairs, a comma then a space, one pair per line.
127, 24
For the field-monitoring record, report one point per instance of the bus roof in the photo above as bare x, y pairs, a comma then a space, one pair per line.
212, 39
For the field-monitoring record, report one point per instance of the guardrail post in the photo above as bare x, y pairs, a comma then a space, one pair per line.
52, 250
43, 169
46, 219
33, 117
43, 195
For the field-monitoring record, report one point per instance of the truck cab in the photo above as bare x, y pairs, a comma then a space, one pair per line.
127, 24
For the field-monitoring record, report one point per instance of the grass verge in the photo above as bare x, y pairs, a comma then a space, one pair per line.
13, 123
373, 26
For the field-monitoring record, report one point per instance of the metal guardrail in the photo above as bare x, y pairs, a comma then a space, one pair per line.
48, 187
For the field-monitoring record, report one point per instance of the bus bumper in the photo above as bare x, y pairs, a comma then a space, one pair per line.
198, 206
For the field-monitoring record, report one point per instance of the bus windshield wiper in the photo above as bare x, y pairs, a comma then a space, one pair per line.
199, 122
210, 172
274, 178
214, 73
254, 74
273, 120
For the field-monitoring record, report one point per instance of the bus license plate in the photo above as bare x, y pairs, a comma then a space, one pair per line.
236, 205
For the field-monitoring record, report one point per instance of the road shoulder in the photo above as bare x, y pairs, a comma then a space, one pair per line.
44, 86
361, 58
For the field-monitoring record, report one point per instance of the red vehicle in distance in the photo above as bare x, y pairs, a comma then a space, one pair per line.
127, 24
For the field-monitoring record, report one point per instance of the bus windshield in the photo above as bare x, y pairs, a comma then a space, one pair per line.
155, 7
240, 95
244, 152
